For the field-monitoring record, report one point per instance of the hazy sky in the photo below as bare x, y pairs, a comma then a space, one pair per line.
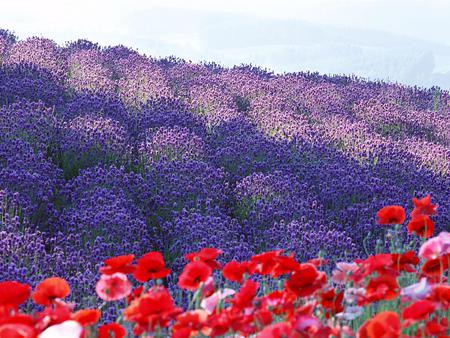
399, 40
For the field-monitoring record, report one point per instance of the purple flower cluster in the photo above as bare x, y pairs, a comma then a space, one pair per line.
87, 71
104, 151
40, 52
176, 143
90, 140
32, 177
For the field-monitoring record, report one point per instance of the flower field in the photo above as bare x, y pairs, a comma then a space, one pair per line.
163, 198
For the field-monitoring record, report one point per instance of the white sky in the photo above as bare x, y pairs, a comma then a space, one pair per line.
394, 39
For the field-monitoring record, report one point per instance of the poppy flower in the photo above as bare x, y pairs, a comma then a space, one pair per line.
17, 330
318, 262
417, 291
150, 266
265, 262
423, 206
262, 317
244, 297
391, 214
136, 293
436, 328
113, 287
193, 275
417, 311
278, 330
206, 255
385, 324
355, 295
67, 329
436, 246
152, 309
235, 271
284, 265
306, 280
13, 294
384, 287
120, 264
220, 323
342, 272
332, 301
308, 325
440, 294
381, 263
351, 313
405, 261
437, 266
208, 287
111, 330
87, 317
209, 303
422, 225
56, 314
189, 323
50, 289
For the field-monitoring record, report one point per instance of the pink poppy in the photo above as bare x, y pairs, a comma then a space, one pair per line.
436, 246
209, 304
113, 287
354, 295
342, 272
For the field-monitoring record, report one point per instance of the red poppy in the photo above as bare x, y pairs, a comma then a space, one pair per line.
193, 275
111, 330
13, 294
235, 271
154, 308
284, 265
384, 287
220, 323
318, 262
417, 311
278, 330
206, 255
136, 293
87, 317
262, 317
306, 280
422, 225
436, 266
18, 318
14, 330
52, 315
265, 262
391, 214
405, 261
385, 324
423, 206
380, 263
120, 264
435, 328
244, 297
189, 323
150, 266
50, 289
280, 302
332, 301
441, 294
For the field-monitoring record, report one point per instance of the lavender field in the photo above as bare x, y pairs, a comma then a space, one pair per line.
106, 152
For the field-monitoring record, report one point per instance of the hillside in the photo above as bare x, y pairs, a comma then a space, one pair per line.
105, 152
